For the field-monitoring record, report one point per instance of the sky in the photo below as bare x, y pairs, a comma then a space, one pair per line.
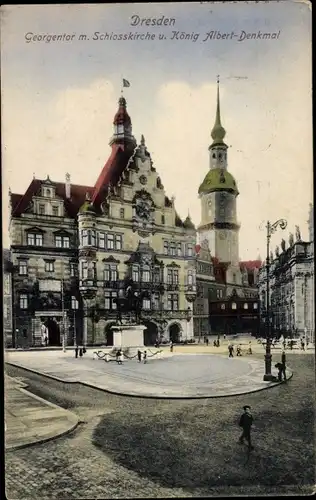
59, 100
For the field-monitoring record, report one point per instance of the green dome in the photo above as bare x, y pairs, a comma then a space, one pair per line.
86, 207
218, 179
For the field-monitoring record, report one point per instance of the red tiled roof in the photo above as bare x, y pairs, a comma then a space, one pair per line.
111, 171
72, 205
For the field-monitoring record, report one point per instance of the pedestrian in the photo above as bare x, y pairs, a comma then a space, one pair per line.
76, 351
238, 350
80, 352
231, 350
121, 357
283, 362
215, 343
207, 341
224, 336
145, 357
302, 345
279, 366
45, 340
250, 348
291, 345
171, 346
118, 353
84, 350
139, 355
246, 421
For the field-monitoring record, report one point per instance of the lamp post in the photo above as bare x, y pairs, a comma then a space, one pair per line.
75, 306
271, 228
188, 318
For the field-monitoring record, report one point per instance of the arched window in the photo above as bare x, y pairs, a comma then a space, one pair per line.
234, 305
245, 305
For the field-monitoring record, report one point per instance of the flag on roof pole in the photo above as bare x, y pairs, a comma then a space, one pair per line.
126, 83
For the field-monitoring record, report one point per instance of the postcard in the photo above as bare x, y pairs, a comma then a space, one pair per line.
158, 250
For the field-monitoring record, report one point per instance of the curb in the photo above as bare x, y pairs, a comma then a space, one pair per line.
148, 396
73, 426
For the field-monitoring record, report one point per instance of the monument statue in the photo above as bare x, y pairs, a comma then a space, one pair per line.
298, 233
277, 251
291, 239
130, 301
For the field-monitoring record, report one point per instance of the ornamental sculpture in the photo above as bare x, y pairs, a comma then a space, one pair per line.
298, 233
291, 239
277, 251
283, 245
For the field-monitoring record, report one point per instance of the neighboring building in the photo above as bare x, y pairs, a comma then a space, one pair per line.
8, 339
227, 300
72, 246
291, 289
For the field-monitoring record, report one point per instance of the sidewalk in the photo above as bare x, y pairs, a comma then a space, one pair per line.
30, 419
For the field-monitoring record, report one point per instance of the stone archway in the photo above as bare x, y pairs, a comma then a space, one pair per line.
53, 332
151, 333
108, 333
175, 332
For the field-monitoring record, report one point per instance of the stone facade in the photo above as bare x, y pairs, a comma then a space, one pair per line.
8, 329
72, 246
291, 290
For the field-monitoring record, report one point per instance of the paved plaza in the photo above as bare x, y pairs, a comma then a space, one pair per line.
175, 375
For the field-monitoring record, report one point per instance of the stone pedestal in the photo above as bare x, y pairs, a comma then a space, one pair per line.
131, 336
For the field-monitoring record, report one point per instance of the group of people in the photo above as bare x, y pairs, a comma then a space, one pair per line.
231, 350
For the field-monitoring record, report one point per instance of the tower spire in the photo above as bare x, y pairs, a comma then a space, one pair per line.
218, 133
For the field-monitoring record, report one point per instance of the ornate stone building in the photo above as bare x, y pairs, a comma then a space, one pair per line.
8, 331
292, 292
73, 245
227, 294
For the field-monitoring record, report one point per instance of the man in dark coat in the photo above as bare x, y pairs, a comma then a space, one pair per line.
283, 362
245, 422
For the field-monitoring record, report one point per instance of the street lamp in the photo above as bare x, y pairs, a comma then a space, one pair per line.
271, 228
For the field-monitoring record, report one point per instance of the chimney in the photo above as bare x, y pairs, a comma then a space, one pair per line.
68, 186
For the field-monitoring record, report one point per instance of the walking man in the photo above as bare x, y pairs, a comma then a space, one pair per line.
231, 351
283, 362
139, 356
145, 357
302, 344
245, 422
76, 351
171, 346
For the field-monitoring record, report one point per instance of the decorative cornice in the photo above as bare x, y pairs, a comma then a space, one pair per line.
111, 259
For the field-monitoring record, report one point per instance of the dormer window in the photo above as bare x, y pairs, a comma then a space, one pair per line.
55, 211
41, 209
48, 192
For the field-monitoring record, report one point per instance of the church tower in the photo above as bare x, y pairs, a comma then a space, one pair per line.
218, 193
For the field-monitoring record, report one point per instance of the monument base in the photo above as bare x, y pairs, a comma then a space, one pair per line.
128, 336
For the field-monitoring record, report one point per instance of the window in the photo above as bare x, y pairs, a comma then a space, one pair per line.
165, 247
55, 211
217, 294
47, 192
234, 305
41, 209
84, 237
110, 300
245, 305
135, 273
157, 275
155, 301
122, 213
74, 303
73, 267
62, 241
102, 240
118, 241
173, 277
23, 301
35, 239
255, 305
22, 267
49, 266
110, 272
110, 241
173, 302
223, 306
84, 270
189, 250
162, 219
146, 274
179, 249
190, 277
146, 304
172, 248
